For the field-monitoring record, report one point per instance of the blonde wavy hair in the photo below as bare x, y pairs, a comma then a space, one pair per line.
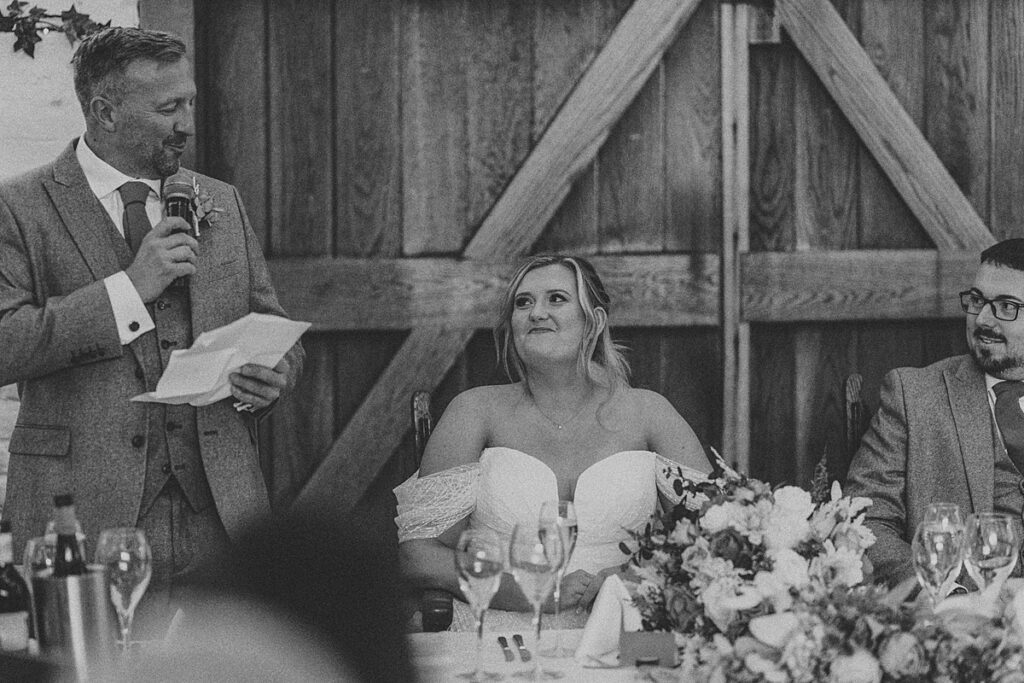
599, 358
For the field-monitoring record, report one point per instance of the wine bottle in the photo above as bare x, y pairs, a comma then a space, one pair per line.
14, 597
67, 560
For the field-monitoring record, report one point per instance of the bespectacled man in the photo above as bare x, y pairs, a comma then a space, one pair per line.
952, 431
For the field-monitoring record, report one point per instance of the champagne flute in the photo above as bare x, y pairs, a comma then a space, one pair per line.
479, 561
991, 546
126, 555
535, 554
937, 553
561, 514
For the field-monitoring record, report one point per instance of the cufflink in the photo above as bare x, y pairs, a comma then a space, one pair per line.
133, 326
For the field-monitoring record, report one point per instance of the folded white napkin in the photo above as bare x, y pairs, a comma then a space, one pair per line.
613, 613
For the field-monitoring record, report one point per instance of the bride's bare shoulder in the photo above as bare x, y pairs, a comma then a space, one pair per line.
488, 399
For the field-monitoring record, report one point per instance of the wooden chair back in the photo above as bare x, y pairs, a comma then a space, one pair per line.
435, 605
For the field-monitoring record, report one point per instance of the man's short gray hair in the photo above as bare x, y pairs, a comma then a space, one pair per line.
100, 61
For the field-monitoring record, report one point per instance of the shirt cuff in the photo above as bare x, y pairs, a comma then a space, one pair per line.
130, 312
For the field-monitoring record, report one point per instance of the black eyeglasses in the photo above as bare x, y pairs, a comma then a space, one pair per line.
1002, 309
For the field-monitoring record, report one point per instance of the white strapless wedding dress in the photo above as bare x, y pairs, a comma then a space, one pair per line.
614, 496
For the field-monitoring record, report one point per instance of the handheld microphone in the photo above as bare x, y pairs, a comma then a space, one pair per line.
178, 193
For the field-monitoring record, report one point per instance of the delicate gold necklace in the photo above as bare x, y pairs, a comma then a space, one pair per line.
566, 422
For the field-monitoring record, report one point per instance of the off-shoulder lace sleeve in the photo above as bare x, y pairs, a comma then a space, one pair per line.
667, 472
429, 505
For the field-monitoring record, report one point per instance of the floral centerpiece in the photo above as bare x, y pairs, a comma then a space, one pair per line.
765, 584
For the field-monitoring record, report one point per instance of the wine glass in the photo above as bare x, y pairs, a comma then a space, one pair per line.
479, 561
991, 546
535, 554
947, 516
126, 555
561, 514
937, 552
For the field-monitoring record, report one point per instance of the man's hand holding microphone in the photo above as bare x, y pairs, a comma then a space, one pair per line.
166, 253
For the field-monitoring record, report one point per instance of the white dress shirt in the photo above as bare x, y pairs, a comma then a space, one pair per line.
130, 314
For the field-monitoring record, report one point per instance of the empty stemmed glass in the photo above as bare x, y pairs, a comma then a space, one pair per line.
535, 554
479, 561
991, 547
126, 555
949, 518
562, 515
937, 552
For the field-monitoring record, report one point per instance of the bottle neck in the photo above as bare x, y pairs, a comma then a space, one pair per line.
64, 522
6, 549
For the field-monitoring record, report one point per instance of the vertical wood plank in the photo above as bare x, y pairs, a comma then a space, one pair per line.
500, 101
826, 169
300, 431
301, 135
693, 135
692, 358
565, 40
892, 33
772, 147
434, 169
631, 200
957, 93
772, 414
368, 162
735, 99
1007, 55
233, 87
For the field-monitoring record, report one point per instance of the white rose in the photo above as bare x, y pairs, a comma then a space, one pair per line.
785, 531
716, 518
790, 567
794, 500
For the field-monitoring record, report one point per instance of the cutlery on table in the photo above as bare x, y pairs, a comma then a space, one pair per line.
524, 654
503, 641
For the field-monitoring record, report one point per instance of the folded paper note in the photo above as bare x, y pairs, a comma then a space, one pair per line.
199, 375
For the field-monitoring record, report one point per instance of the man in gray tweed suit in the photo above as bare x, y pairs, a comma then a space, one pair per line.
952, 431
91, 307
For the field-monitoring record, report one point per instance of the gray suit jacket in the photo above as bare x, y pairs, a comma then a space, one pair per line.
932, 440
58, 340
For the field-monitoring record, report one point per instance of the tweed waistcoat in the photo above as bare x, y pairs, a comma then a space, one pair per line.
172, 443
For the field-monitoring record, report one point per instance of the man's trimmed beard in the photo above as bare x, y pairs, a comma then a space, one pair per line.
993, 366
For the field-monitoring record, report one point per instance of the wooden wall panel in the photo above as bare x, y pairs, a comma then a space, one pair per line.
301, 130
631, 179
500, 103
892, 33
957, 93
693, 135
1007, 79
233, 109
434, 170
368, 131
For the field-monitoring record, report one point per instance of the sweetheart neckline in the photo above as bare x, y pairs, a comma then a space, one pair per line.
547, 467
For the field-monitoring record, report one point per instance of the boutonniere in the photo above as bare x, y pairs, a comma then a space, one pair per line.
204, 210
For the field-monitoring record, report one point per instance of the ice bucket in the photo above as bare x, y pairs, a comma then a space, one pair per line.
75, 621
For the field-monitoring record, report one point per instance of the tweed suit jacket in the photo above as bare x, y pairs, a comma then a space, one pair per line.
932, 440
77, 430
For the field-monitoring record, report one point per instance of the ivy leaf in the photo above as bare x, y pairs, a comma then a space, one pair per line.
6, 24
15, 7
27, 37
36, 12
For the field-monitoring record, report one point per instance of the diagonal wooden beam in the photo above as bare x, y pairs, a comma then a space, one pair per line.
516, 220
885, 127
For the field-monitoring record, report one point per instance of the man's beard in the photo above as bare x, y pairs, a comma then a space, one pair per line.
165, 163
991, 365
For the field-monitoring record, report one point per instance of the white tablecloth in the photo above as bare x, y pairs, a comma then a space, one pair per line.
442, 656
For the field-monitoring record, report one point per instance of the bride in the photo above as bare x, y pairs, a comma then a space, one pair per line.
571, 428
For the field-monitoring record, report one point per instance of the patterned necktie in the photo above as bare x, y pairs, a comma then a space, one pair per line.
1010, 419
136, 222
